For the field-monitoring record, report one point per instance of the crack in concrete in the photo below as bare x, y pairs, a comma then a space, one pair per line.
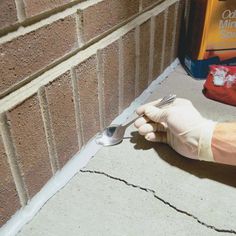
148, 190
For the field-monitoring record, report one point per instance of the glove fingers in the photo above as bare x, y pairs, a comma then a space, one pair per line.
177, 102
160, 137
156, 114
147, 128
141, 109
141, 121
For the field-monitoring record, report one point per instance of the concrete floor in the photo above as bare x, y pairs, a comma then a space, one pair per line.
139, 188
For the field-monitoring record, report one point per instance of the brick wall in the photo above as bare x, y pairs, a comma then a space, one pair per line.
62, 64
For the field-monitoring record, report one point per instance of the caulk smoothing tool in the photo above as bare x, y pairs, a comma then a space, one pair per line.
114, 134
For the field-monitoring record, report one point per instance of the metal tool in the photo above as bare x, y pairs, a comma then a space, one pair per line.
114, 134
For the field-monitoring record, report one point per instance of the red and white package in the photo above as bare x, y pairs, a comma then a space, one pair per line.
220, 84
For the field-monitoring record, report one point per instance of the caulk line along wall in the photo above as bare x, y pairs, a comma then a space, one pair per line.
68, 68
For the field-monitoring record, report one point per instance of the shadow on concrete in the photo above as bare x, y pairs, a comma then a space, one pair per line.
221, 173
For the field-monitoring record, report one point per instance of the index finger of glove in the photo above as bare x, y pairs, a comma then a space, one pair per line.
141, 121
142, 108
177, 102
156, 114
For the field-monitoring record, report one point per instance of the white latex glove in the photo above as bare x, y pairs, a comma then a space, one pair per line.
180, 125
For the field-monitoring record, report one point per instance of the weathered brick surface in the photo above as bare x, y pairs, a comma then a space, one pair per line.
129, 68
8, 14
110, 61
148, 3
169, 35
87, 82
28, 134
27, 54
23, 57
99, 18
62, 112
158, 42
180, 30
9, 201
144, 56
35, 7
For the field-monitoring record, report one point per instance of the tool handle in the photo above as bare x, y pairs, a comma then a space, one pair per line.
164, 102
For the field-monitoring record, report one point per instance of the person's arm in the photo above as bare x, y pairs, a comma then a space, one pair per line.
223, 143
182, 127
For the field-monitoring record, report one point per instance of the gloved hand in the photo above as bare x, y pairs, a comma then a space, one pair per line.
180, 125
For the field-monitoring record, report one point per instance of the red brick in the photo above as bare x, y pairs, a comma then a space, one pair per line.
169, 35
144, 56
62, 112
158, 44
129, 68
110, 62
87, 81
27, 131
30, 53
148, 3
100, 17
35, 7
179, 29
8, 14
8, 196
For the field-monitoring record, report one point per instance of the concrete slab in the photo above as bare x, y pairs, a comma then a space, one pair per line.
142, 188
96, 204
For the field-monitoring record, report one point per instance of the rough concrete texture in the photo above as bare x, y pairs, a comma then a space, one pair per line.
8, 195
28, 54
8, 14
142, 188
101, 17
62, 113
26, 126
